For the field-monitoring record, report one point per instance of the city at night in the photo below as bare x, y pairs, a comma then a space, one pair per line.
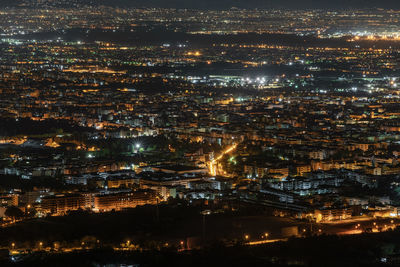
141, 133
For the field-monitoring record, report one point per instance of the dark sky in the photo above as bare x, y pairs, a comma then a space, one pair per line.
331, 4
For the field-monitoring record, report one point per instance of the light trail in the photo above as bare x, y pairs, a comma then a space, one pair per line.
213, 163
260, 242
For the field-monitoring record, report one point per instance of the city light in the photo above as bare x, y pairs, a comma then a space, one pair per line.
195, 129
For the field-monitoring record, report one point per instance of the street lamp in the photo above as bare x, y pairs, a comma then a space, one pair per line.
204, 213
137, 147
27, 209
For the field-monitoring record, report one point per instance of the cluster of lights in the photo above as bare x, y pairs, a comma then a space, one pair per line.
258, 80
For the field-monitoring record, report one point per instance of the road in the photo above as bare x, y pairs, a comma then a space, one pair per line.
212, 165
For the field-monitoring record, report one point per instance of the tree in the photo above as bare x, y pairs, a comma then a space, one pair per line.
14, 213
31, 212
